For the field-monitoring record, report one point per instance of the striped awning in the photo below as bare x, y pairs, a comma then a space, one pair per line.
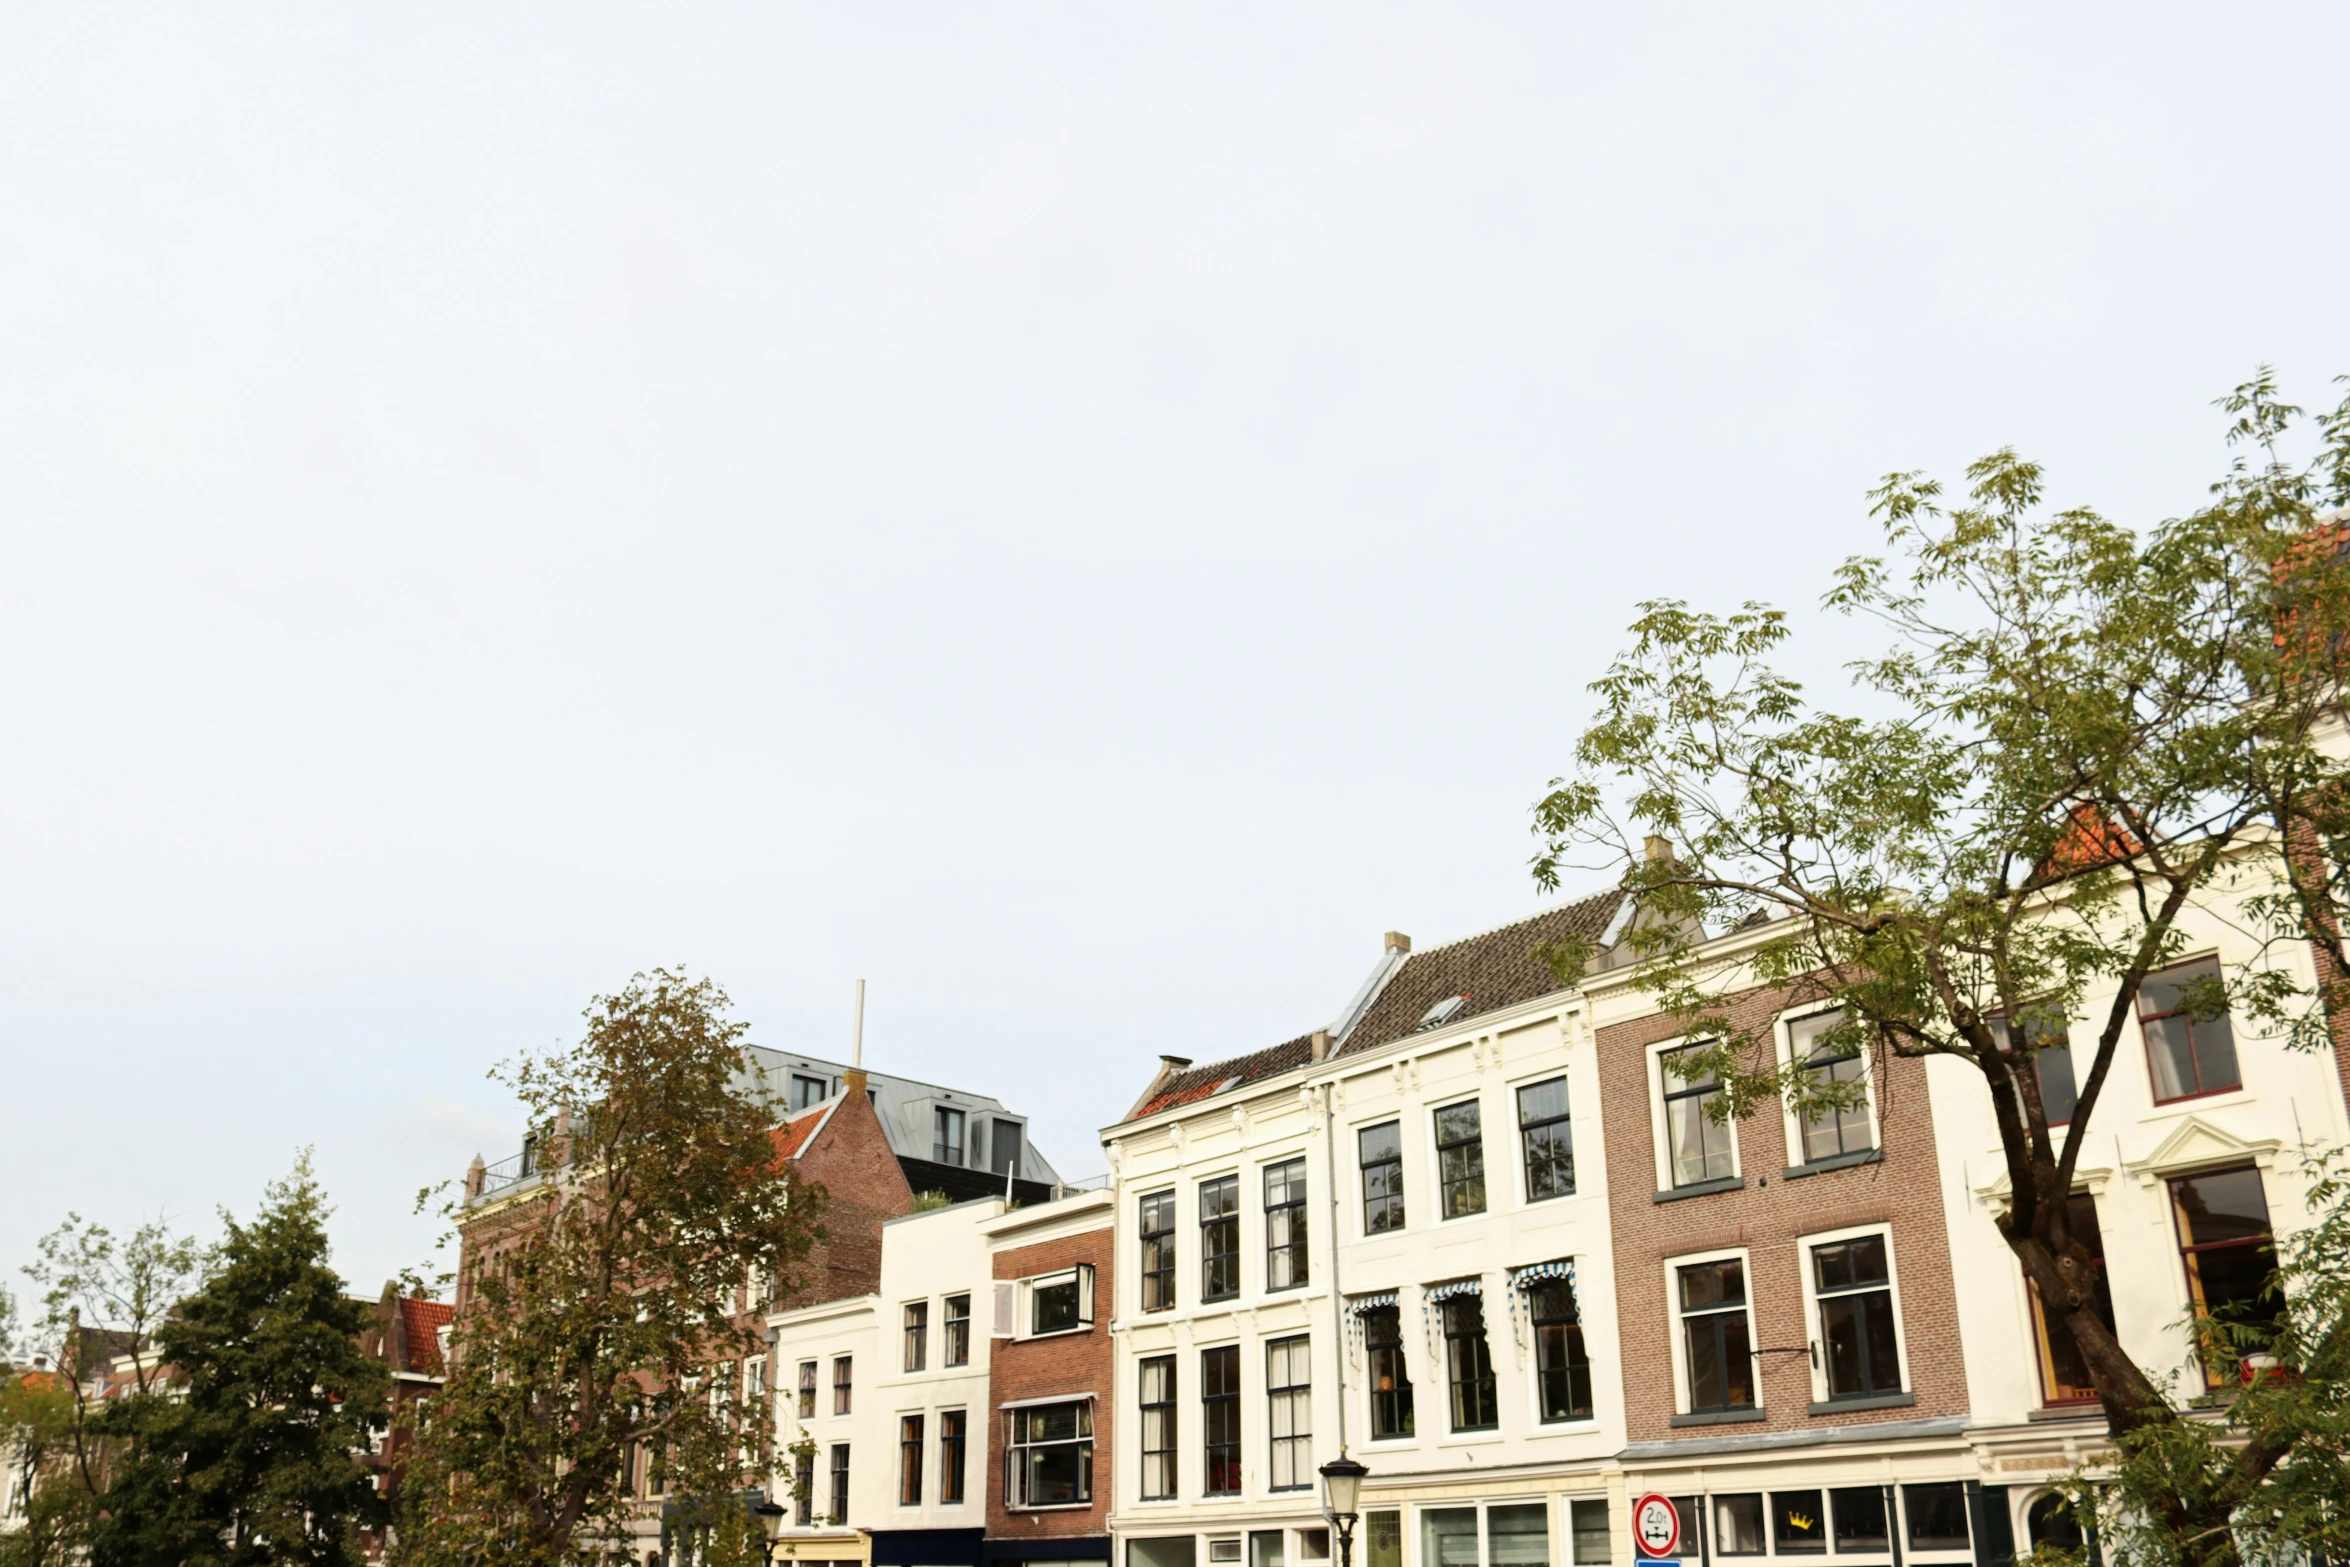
1456, 1287
1362, 1303
1536, 1272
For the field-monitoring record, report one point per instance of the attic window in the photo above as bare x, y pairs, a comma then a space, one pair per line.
1442, 1013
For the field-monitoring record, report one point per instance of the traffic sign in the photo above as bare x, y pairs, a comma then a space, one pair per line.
1656, 1526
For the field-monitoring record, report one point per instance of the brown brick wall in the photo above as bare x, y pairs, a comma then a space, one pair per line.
1767, 1216
1072, 1363
863, 1186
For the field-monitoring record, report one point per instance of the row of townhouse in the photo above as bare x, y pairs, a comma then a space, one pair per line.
1478, 1236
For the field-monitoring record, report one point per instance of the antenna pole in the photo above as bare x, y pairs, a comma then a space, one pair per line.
857, 1040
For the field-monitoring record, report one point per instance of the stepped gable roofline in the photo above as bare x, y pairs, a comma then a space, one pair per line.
1204, 1082
1490, 971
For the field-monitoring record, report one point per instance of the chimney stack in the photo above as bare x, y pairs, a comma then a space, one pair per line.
1320, 1047
1397, 941
1659, 848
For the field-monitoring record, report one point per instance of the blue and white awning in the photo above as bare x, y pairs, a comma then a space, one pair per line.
1439, 1292
1362, 1303
1536, 1272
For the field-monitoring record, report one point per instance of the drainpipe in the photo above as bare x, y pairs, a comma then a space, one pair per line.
1321, 1052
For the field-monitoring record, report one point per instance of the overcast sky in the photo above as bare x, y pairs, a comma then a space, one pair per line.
1084, 516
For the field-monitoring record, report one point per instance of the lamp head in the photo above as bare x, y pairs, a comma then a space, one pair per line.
1342, 1488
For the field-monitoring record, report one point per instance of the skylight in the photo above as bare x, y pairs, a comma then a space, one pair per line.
1442, 1013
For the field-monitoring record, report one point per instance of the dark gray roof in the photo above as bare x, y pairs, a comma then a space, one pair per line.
1494, 970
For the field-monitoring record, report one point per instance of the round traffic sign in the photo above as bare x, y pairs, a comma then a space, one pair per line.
1656, 1525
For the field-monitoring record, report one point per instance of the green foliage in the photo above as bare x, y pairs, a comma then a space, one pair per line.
603, 1313
2071, 733
257, 1455
924, 1202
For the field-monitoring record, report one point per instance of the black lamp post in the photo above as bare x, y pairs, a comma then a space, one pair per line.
1342, 1490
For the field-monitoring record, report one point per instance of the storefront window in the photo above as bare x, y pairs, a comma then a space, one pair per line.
1937, 1516
1591, 1541
1859, 1516
1517, 1535
1798, 1528
1448, 1537
1738, 1524
1383, 1539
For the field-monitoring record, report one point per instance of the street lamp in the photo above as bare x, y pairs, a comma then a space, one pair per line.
1342, 1489
770, 1516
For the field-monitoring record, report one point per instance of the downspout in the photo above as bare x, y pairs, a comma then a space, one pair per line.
1321, 1052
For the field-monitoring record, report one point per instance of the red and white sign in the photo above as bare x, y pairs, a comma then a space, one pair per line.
1656, 1525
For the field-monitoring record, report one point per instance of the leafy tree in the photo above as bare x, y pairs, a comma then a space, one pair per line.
606, 1310
258, 1453
2073, 733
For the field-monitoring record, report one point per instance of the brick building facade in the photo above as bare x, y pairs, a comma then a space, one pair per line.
1052, 1384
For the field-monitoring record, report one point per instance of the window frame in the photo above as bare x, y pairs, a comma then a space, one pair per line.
1661, 1096
1487, 1384
1390, 1201
1170, 1427
913, 1441
1078, 1276
1287, 1221
1744, 1257
1298, 1442
1816, 1328
954, 1457
1574, 1334
2059, 1038
958, 1154
2190, 1253
917, 1336
954, 1348
1439, 1147
1158, 1247
2194, 1057
2042, 1345
839, 1471
844, 1377
1212, 1405
1401, 1397
1017, 1473
1798, 1143
1526, 1129
1227, 1254
811, 1373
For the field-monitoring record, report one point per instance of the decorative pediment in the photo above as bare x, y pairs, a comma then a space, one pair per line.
2089, 1177
2196, 1144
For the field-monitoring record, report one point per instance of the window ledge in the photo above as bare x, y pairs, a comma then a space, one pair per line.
1717, 1417
1728, 1183
1838, 1406
2077, 1409
1842, 1161
1030, 1338
1049, 1507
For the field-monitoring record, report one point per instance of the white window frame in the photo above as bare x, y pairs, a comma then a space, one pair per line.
1082, 1274
1813, 1334
1660, 1130
1783, 1031
1680, 1345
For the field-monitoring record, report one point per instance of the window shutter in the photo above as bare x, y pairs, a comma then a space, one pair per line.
1007, 1308
1085, 1294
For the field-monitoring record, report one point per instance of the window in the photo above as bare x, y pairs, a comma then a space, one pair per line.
2051, 1059
1219, 1400
1460, 1160
1469, 1364
1382, 1158
910, 1461
1562, 1370
807, 1390
2224, 1241
1289, 1411
946, 1136
953, 1440
1589, 1544
806, 1091
1713, 1331
1391, 1384
1548, 1140
1158, 1428
1313, 1545
1448, 1537
1858, 1516
2188, 1055
1219, 1238
840, 1384
1859, 1344
1264, 1548
1738, 1524
2049, 1521
955, 1350
1061, 1302
1285, 1225
840, 1483
1383, 1539
1051, 1457
1797, 1526
2064, 1374
1937, 1516
1517, 1535
917, 1334
1158, 1251
804, 1487
1698, 1146
1827, 1133
1003, 1148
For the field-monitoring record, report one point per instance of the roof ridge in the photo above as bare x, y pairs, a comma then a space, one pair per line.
1495, 930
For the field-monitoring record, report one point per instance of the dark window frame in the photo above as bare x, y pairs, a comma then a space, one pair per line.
1392, 1415
843, 1383
955, 1331
1156, 1226
840, 1484
1161, 1429
2222, 1024
1286, 1265
957, 1153
1831, 1060
910, 1445
1714, 1321
2055, 1393
1682, 1091
1867, 1298
917, 1335
1383, 1204
954, 1447
2191, 1252
1546, 1145
1297, 1445
1460, 1160
1219, 1397
1219, 1238
1475, 1395
1562, 1360
809, 1371
1023, 1449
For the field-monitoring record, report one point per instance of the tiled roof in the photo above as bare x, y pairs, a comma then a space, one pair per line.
1494, 970
1199, 1082
793, 1134
421, 1321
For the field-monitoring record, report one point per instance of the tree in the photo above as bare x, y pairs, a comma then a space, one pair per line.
606, 1312
258, 1452
2073, 735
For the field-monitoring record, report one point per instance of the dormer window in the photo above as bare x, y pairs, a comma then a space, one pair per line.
1440, 1014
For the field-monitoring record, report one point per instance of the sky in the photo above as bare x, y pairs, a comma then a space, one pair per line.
1081, 516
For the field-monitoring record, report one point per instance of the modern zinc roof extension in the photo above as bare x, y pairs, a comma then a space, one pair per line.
1487, 972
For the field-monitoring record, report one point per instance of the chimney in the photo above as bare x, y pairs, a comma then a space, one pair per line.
475, 1174
1397, 941
1659, 848
1321, 1045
